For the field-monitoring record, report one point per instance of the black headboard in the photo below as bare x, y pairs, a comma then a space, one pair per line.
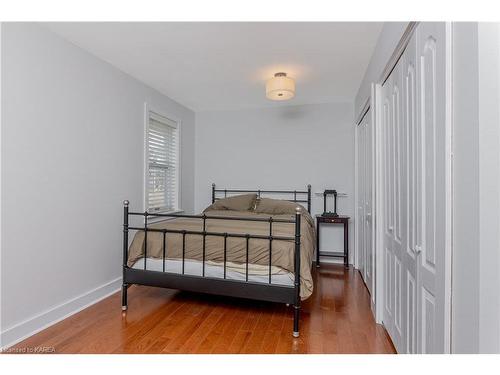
298, 196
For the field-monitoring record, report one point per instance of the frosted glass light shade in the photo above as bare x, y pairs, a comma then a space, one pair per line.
280, 87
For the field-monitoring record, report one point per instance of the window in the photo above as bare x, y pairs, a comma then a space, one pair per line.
162, 158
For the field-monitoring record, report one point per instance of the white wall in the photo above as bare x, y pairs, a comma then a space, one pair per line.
388, 40
476, 260
465, 287
283, 147
1, 209
489, 190
71, 151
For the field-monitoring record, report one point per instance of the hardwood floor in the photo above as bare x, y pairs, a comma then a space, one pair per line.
335, 319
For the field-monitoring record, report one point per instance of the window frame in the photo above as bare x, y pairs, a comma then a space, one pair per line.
148, 109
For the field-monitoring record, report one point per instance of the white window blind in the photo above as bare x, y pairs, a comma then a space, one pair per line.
163, 163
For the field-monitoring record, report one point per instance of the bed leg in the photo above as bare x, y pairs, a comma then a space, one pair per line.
125, 254
296, 317
296, 304
124, 297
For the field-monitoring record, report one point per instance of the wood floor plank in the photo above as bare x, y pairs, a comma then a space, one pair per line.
215, 333
255, 342
203, 330
335, 319
230, 331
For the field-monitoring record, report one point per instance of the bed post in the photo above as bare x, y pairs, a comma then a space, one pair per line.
125, 253
213, 193
296, 305
309, 198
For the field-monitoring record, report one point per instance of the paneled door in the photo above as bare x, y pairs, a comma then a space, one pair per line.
414, 196
368, 202
413, 193
394, 223
365, 233
432, 254
361, 130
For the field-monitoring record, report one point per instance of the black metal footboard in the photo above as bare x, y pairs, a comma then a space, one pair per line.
214, 285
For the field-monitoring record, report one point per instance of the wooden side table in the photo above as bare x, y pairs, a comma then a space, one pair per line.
344, 220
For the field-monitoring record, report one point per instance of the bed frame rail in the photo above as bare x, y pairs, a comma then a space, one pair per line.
299, 196
212, 285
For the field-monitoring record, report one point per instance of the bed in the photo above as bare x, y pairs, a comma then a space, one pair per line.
244, 244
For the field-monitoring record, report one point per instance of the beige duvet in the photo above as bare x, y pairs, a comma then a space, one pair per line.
282, 251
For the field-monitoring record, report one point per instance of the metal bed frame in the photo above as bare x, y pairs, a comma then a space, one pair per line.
212, 285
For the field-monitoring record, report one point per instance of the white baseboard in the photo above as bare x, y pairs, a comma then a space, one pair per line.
20, 331
330, 260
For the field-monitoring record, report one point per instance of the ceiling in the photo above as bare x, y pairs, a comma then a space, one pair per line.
224, 66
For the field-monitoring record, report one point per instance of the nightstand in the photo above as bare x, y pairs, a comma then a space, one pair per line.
344, 220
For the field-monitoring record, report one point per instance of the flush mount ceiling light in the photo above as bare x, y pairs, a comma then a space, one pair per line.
280, 87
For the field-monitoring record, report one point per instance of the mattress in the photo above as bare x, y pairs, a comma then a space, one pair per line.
211, 248
234, 271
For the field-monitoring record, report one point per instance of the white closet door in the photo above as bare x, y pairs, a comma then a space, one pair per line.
431, 64
395, 210
365, 234
386, 194
361, 197
413, 192
368, 208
